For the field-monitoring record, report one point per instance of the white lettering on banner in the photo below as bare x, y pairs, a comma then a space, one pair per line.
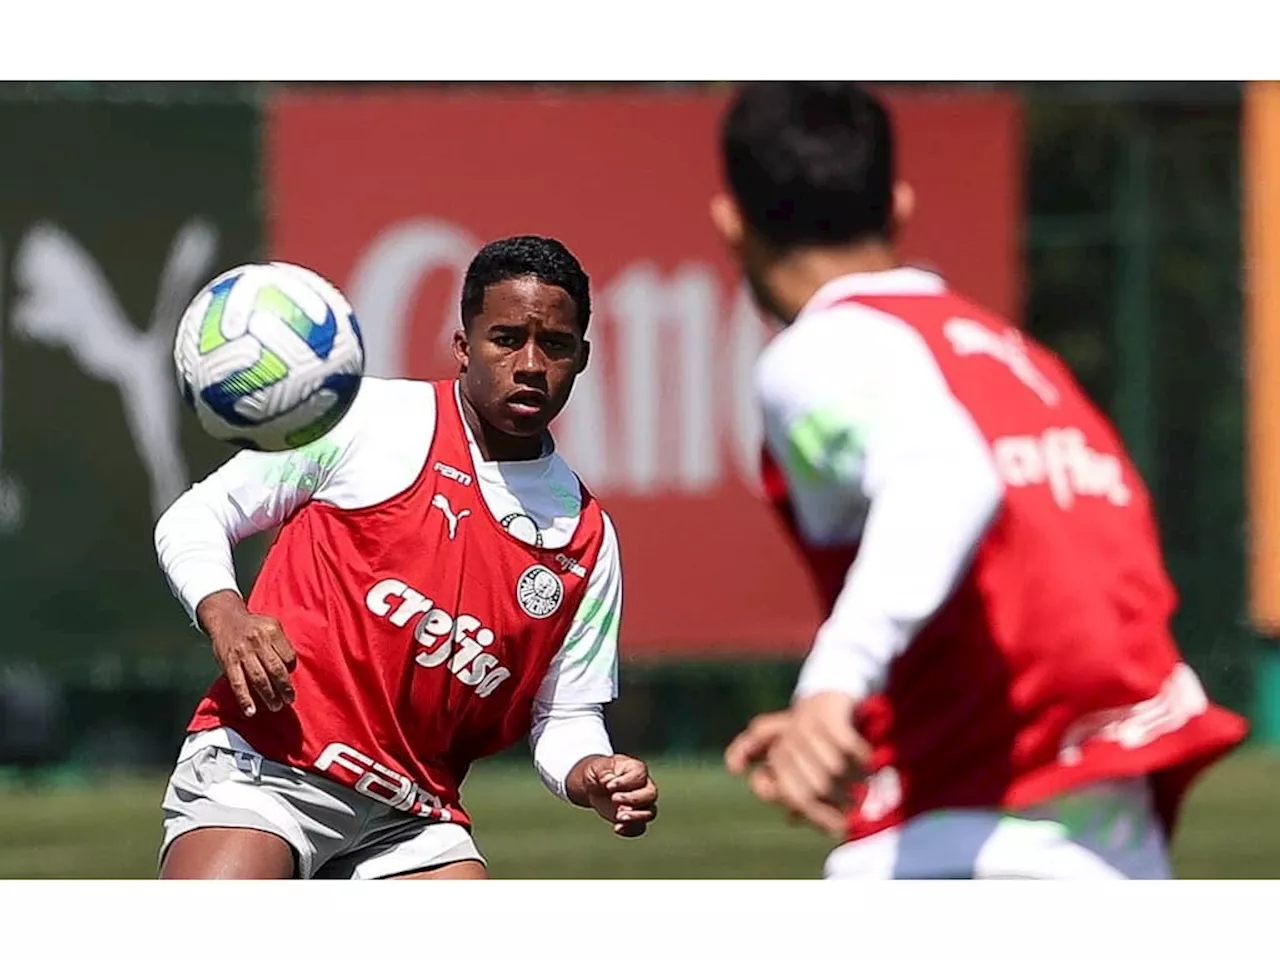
386, 277
459, 640
379, 782
649, 313
1062, 459
669, 379
970, 338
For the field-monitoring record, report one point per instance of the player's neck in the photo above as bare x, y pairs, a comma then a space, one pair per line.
794, 278
496, 445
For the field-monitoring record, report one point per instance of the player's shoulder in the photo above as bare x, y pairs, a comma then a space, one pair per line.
609, 556
379, 393
384, 403
387, 416
837, 350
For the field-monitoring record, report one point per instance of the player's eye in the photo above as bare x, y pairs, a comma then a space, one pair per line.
557, 346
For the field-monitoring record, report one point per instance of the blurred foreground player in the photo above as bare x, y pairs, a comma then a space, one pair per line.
442, 586
996, 678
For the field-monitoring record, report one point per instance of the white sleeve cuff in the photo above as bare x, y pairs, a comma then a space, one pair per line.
561, 736
201, 582
835, 666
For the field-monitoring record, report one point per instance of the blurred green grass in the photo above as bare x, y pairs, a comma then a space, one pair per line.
710, 827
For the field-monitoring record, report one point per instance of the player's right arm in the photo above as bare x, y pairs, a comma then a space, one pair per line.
249, 494
374, 452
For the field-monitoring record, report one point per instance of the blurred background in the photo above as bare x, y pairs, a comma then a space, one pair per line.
1111, 220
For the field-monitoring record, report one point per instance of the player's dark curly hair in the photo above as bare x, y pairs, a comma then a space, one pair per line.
810, 164
527, 256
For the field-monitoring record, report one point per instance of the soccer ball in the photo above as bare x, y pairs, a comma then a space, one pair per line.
269, 356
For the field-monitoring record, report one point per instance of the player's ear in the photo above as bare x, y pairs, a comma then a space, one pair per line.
904, 204
727, 219
583, 356
461, 349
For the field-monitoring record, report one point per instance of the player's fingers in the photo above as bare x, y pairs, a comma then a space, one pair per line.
825, 816
844, 737
753, 743
793, 791
631, 828
628, 774
804, 790
742, 751
764, 784
644, 797
284, 649
259, 682
803, 775
840, 769
822, 751
631, 815
802, 801
240, 688
278, 674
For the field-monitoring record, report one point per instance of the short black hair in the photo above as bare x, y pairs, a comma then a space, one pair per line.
810, 163
546, 259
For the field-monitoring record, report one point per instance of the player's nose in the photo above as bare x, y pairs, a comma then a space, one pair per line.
531, 360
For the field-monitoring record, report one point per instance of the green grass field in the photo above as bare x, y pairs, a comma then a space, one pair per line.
710, 827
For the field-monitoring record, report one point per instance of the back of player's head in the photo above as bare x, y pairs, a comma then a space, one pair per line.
810, 164
546, 259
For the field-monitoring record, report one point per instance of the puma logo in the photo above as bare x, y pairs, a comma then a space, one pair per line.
64, 300
439, 500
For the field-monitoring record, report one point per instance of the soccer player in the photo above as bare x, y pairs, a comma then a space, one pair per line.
994, 691
441, 586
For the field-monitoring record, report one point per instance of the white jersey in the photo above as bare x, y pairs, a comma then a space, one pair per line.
375, 452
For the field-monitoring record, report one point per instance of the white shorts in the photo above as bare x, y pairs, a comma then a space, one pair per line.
1107, 831
335, 833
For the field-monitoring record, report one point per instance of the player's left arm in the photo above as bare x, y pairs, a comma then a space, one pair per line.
572, 750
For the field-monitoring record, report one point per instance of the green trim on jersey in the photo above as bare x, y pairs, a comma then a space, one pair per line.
304, 467
826, 445
596, 618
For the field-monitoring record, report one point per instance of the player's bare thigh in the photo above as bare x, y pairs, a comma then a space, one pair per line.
228, 853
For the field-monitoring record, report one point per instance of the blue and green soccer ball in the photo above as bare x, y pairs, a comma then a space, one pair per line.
269, 356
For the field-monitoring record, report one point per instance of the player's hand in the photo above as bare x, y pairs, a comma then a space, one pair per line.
747, 752
618, 788
750, 746
252, 651
813, 760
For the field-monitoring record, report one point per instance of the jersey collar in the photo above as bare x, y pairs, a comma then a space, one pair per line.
898, 282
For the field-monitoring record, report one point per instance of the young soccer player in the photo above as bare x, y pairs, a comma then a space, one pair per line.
442, 585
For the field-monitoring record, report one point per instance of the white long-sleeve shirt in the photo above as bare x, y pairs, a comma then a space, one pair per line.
877, 451
375, 452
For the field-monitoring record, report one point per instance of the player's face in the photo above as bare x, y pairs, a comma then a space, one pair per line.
521, 356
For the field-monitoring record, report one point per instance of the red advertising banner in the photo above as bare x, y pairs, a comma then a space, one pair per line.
391, 194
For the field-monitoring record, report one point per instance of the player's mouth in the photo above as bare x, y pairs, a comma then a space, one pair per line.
527, 403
